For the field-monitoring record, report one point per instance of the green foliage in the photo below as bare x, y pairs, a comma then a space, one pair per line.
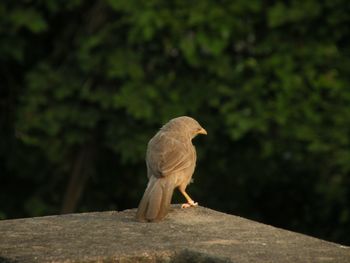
269, 81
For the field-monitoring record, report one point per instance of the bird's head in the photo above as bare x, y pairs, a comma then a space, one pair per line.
185, 124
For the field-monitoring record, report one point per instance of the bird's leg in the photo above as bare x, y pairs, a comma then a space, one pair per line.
190, 202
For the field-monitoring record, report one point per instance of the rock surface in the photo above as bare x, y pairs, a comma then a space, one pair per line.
186, 235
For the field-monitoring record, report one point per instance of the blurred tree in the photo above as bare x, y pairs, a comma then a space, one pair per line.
85, 84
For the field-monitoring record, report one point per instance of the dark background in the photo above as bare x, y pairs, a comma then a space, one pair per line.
85, 84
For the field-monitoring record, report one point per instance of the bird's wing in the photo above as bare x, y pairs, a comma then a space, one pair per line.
166, 154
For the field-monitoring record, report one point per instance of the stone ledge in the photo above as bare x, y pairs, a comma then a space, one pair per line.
186, 235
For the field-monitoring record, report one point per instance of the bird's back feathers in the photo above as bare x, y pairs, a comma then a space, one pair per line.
168, 153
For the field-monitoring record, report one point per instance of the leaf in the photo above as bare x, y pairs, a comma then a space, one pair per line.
28, 18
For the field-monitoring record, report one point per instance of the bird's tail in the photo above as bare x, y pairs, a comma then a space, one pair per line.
156, 200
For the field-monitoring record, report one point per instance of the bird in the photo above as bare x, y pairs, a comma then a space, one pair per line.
170, 160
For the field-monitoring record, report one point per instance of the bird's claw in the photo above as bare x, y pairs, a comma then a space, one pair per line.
189, 204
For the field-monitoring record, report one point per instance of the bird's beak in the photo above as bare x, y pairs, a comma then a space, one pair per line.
202, 131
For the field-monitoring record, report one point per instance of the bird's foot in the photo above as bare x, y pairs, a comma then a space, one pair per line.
189, 204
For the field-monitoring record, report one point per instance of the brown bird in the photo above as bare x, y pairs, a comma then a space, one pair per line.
171, 160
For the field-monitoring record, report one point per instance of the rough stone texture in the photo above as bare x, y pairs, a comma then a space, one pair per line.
186, 235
